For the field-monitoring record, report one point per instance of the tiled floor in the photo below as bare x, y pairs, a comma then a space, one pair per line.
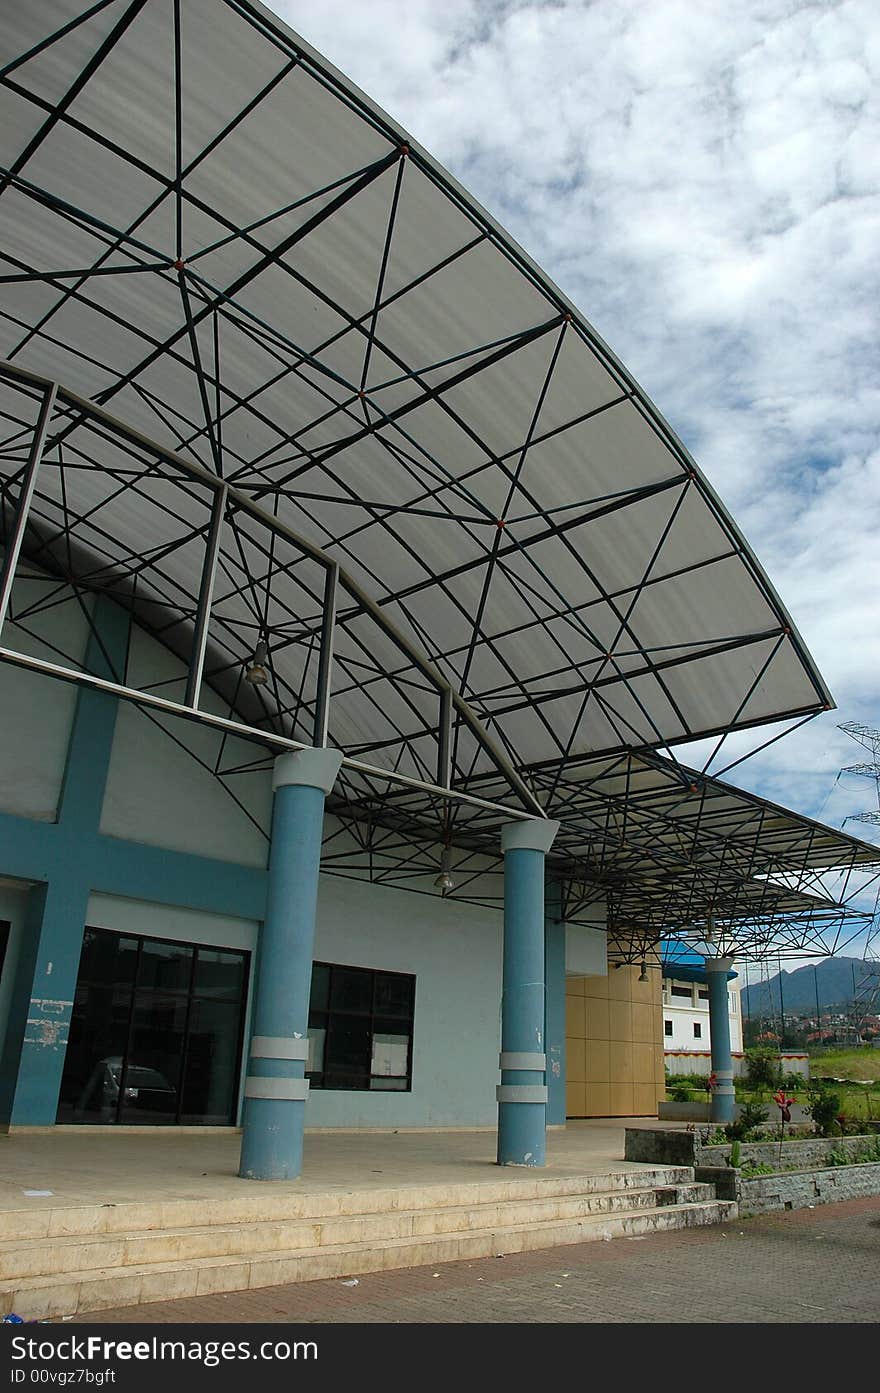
100, 1168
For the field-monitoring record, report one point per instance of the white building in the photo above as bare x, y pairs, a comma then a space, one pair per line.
686, 1012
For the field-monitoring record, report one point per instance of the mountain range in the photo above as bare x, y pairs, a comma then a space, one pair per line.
833, 979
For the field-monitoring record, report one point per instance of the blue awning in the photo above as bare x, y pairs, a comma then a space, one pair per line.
679, 960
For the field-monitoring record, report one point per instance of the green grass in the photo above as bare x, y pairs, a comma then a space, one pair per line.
846, 1064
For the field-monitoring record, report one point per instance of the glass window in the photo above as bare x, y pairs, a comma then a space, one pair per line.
164, 967
351, 989
667, 1027
698, 1030
360, 1028
155, 1034
219, 974
682, 991
107, 957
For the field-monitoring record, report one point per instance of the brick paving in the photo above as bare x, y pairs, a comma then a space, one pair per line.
808, 1266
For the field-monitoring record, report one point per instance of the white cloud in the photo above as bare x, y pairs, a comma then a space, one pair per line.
704, 182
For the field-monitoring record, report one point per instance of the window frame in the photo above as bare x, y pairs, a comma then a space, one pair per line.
322, 1018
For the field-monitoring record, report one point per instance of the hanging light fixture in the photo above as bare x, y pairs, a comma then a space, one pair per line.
643, 975
257, 673
444, 881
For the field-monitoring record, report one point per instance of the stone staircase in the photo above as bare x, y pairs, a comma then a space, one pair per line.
82, 1258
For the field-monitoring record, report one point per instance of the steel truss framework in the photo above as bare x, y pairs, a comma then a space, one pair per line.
360, 426
866, 991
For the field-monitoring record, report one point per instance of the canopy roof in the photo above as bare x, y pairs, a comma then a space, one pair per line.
312, 394
211, 231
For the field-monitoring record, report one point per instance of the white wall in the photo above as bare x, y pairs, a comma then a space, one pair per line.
454, 951
586, 951
159, 794
685, 1011
37, 711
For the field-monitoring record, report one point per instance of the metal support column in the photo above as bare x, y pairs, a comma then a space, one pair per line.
276, 1087
522, 1093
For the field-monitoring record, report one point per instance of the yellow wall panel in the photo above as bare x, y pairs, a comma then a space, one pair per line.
575, 1100
645, 1099
645, 1022
615, 1044
621, 1100
620, 1020
620, 1062
598, 1064
598, 1100
643, 1063
575, 1063
620, 983
596, 1018
575, 1021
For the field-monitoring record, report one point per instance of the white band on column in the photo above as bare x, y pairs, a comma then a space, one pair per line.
518, 1059
283, 1090
279, 1047
521, 1093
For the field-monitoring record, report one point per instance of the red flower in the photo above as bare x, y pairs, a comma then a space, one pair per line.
711, 1082
783, 1104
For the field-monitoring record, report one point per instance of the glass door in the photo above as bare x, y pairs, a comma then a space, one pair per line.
156, 1033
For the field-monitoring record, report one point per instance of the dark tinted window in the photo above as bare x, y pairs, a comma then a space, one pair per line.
360, 1028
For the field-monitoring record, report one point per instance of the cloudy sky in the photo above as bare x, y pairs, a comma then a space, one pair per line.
703, 180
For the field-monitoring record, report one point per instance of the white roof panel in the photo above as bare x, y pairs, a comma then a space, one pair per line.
394, 375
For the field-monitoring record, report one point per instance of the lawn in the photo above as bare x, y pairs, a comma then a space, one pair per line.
861, 1064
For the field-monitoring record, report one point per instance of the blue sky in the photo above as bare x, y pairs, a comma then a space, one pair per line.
704, 181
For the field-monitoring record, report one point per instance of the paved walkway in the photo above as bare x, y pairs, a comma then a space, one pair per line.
808, 1266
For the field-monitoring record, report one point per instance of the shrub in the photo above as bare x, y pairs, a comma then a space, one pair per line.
756, 1168
751, 1115
679, 1092
762, 1067
823, 1105
793, 1082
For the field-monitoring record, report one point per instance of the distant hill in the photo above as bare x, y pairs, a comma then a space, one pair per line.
832, 976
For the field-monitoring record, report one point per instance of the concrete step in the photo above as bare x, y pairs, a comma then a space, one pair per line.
252, 1203
68, 1293
80, 1253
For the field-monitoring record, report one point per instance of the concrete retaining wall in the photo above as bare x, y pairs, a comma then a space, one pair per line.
686, 1149
766, 1194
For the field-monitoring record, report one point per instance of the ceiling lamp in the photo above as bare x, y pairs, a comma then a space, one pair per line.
444, 881
257, 673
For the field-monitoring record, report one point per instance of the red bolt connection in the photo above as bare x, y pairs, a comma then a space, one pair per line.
179, 265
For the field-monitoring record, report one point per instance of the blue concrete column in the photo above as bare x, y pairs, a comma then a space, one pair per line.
554, 1003
42, 1001
276, 1087
723, 1097
45, 979
522, 1093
